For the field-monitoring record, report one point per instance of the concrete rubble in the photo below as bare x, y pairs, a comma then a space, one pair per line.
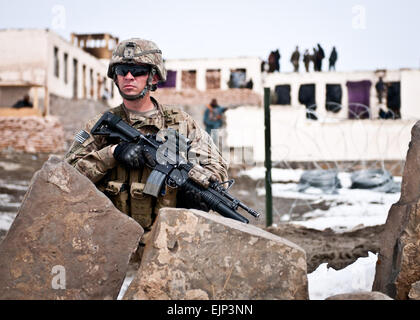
196, 255
414, 293
68, 240
398, 266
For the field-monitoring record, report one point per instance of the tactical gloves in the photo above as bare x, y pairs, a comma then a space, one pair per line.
132, 155
190, 199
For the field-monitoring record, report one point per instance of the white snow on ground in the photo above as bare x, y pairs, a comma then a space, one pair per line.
344, 218
9, 166
17, 185
277, 175
5, 201
359, 276
125, 286
6, 220
348, 207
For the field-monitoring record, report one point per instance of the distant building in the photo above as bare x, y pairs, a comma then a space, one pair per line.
347, 95
40, 62
214, 73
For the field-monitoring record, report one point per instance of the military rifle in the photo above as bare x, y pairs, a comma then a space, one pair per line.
170, 152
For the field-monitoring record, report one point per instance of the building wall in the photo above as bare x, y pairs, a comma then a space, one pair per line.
321, 79
23, 56
29, 57
410, 94
294, 138
225, 65
59, 87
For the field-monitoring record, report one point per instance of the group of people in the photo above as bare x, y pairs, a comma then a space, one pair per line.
316, 58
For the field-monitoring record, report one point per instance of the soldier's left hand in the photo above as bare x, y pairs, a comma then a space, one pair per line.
132, 155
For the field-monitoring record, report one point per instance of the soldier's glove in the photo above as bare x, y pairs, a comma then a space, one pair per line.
132, 155
189, 199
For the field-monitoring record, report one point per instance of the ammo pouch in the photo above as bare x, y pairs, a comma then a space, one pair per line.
166, 200
118, 193
141, 205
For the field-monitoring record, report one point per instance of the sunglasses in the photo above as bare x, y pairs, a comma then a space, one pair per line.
136, 71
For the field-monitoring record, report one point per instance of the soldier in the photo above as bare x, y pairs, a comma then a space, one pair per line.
333, 59
120, 170
320, 55
307, 58
295, 59
380, 87
314, 59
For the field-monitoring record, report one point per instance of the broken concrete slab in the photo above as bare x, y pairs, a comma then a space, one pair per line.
68, 241
196, 255
414, 293
398, 265
360, 296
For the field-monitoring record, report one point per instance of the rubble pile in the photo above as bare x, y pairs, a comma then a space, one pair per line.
31, 134
414, 293
196, 255
193, 97
68, 241
398, 266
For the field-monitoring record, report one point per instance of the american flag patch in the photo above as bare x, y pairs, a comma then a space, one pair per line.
82, 136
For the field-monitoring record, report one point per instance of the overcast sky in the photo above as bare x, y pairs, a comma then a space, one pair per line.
368, 34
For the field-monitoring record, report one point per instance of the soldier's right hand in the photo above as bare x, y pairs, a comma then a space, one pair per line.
130, 155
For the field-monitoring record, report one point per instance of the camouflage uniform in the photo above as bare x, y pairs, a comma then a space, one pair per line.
94, 159
92, 155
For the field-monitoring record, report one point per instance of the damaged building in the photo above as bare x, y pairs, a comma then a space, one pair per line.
68, 79
41, 63
348, 95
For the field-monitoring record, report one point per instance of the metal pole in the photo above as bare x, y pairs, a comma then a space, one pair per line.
268, 194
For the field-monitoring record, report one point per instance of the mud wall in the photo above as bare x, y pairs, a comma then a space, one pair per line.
192, 97
73, 114
31, 134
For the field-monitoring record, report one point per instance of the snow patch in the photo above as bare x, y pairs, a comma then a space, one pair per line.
325, 282
6, 220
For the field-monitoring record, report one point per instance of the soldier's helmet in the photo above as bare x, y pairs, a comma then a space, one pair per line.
138, 51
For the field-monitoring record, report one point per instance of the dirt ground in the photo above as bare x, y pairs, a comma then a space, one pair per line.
338, 250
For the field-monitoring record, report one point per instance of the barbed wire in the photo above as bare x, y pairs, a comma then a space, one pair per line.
361, 118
